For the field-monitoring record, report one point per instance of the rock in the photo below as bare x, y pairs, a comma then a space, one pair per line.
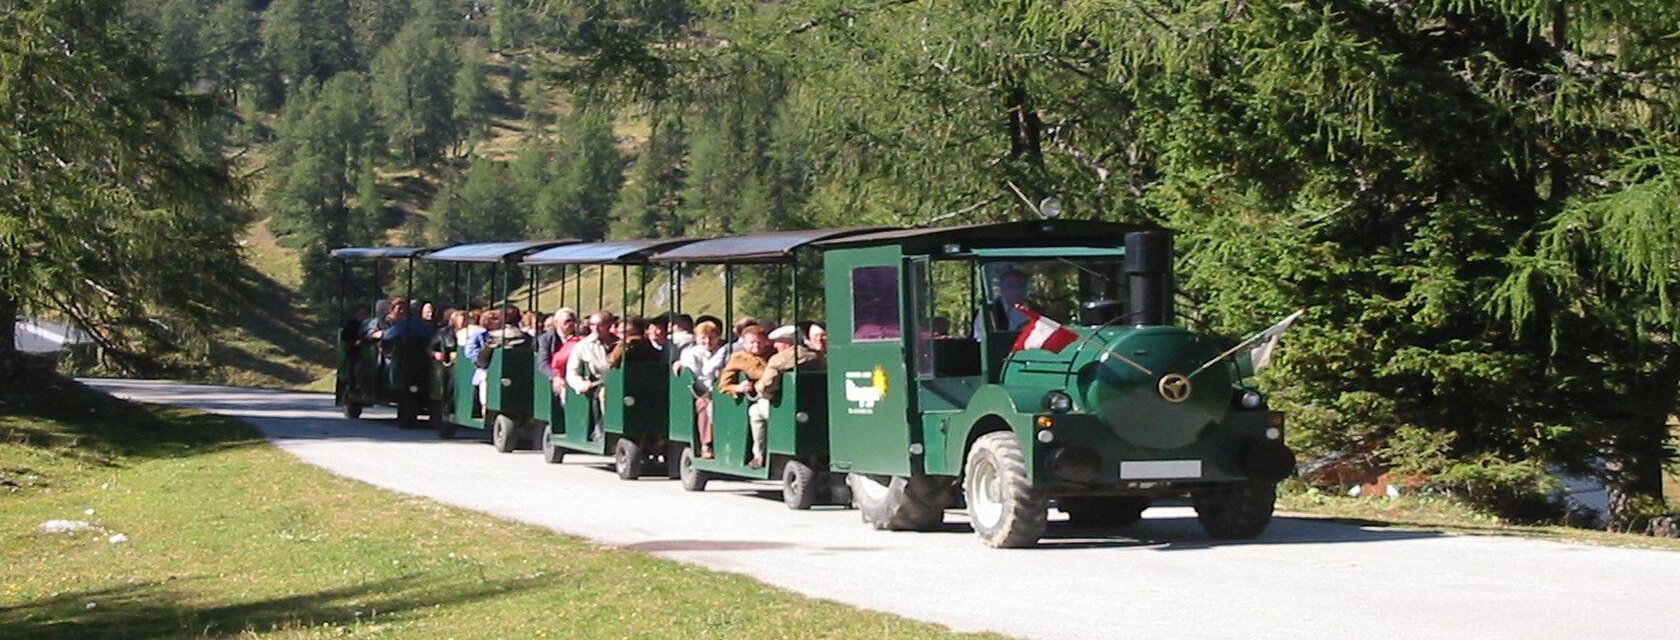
1664, 526
51, 527
117, 538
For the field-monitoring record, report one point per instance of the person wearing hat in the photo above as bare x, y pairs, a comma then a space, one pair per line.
789, 355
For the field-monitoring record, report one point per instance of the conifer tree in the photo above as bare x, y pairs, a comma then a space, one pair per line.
412, 78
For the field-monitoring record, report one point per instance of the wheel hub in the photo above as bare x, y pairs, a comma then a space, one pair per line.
985, 502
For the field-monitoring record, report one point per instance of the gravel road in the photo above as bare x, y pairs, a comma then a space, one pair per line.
1161, 578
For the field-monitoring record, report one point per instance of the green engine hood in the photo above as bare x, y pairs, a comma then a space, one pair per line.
1140, 407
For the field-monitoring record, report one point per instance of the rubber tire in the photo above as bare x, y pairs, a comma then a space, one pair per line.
916, 503
1025, 508
434, 414
551, 454
692, 479
503, 434
673, 460
800, 485
1237, 511
1104, 511
352, 410
627, 459
408, 411
838, 492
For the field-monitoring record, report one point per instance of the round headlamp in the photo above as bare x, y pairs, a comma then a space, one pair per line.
1058, 402
1250, 400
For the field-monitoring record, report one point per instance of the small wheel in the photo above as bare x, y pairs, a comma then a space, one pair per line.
1236, 511
502, 433
352, 409
408, 411
692, 479
627, 458
1004, 507
898, 503
445, 428
1105, 511
839, 493
551, 454
799, 485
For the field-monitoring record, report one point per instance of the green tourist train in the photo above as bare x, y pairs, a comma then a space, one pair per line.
1007, 369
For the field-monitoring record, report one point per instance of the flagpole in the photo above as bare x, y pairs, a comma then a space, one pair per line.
1251, 340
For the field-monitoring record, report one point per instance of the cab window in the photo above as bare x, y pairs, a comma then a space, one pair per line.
875, 304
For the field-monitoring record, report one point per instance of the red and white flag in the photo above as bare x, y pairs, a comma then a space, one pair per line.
1043, 333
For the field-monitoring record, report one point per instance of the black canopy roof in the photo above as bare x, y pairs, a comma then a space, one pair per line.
492, 251
378, 253
772, 246
998, 234
610, 251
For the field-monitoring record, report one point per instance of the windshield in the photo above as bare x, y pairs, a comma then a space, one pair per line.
1055, 288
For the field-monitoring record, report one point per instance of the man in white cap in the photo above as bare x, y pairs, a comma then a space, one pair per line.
790, 355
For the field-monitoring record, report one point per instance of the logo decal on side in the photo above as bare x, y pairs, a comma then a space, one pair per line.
865, 394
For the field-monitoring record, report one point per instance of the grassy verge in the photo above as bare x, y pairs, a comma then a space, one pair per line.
1447, 516
227, 536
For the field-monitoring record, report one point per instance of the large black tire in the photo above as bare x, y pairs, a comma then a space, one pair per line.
1236, 511
1004, 507
692, 479
897, 503
408, 411
836, 489
504, 433
627, 459
800, 485
352, 409
551, 454
1106, 511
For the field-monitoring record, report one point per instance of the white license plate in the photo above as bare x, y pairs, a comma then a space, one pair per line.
1160, 469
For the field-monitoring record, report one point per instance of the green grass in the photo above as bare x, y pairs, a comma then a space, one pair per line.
231, 537
274, 341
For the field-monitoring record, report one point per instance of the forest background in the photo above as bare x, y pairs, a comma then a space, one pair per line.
1475, 200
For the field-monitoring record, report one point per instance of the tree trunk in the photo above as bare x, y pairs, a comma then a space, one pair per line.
1633, 471
8, 336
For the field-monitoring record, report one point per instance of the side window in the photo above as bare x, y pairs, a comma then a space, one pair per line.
921, 304
875, 304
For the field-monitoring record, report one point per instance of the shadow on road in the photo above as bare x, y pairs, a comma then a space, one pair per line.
308, 416
173, 609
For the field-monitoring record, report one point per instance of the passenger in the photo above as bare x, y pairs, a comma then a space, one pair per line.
941, 327
721, 356
504, 336
445, 344
477, 327
353, 338
740, 379
682, 331
374, 327
350, 333
634, 345
586, 368
656, 337
530, 323
816, 337
567, 331
1011, 291
552, 335
403, 325
428, 312
790, 355
707, 335
470, 327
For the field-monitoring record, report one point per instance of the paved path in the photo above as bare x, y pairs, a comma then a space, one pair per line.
1161, 579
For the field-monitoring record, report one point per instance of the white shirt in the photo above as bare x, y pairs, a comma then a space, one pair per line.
694, 359
586, 364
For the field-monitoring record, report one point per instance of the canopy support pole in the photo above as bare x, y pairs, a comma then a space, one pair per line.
729, 300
